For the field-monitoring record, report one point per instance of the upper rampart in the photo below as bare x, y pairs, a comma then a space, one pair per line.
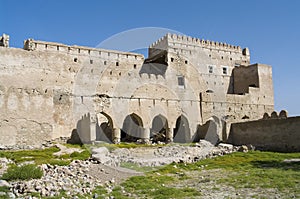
182, 41
33, 45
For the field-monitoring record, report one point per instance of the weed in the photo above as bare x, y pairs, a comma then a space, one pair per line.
24, 172
136, 167
45, 156
156, 186
252, 170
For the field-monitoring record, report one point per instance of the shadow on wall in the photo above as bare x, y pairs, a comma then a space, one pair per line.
75, 138
158, 132
104, 132
132, 128
154, 69
209, 131
182, 132
272, 133
104, 128
82, 133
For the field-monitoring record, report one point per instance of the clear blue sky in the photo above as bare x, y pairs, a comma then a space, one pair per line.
271, 29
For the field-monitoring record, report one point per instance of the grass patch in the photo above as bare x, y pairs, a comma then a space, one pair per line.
45, 156
252, 170
4, 189
78, 146
24, 172
39, 156
154, 185
136, 167
76, 155
112, 147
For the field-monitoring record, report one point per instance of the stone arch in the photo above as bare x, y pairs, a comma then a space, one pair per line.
132, 128
159, 129
182, 132
283, 114
266, 116
274, 115
104, 127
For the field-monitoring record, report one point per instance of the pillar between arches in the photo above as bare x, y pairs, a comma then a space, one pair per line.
116, 136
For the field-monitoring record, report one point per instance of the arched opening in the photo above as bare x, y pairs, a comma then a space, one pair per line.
104, 128
159, 129
132, 128
182, 130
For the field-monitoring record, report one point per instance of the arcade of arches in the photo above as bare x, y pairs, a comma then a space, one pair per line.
133, 130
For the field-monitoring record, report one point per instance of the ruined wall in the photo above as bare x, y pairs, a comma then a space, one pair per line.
45, 89
49, 90
245, 77
226, 88
34, 100
274, 134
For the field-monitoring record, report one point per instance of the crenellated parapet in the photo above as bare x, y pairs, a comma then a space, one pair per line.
171, 40
35, 45
283, 114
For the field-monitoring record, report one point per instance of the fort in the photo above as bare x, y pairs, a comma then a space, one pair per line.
186, 90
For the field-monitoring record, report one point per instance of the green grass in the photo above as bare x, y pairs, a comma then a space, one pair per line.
136, 167
40, 156
250, 170
154, 185
45, 156
24, 172
112, 147
77, 155
255, 169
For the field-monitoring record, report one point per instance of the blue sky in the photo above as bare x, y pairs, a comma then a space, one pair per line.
271, 29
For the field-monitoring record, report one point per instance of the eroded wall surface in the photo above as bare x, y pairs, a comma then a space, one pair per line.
268, 134
49, 90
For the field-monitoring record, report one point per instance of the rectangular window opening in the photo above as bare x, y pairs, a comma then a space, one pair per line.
225, 70
210, 69
181, 82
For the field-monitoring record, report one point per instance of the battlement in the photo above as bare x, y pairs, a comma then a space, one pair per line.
171, 40
33, 45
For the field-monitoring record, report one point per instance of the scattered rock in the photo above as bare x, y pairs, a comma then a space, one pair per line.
226, 146
100, 150
81, 177
65, 150
243, 148
291, 160
11, 195
4, 183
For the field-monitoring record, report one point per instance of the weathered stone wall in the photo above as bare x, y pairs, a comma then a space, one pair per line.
227, 87
34, 101
48, 90
274, 134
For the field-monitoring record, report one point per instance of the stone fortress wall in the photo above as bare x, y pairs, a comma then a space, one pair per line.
272, 133
230, 88
48, 90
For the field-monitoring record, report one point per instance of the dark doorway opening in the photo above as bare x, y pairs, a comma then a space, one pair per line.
132, 128
104, 128
159, 129
182, 130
